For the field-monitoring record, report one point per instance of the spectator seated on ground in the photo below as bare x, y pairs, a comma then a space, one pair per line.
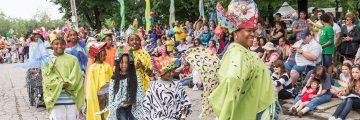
341, 85
282, 82
256, 47
284, 48
352, 99
182, 46
307, 94
151, 45
185, 74
308, 55
159, 49
270, 54
319, 74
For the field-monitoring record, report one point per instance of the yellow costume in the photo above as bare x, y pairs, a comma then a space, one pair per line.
145, 59
98, 76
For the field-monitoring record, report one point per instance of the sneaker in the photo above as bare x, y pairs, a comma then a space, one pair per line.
338, 119
195, 88
293, 111
332, 118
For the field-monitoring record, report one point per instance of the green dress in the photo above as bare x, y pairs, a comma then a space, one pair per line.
64, 68
245, 87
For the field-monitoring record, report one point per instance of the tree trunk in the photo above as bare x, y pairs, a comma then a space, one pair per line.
97, 18
303, 6
88, 19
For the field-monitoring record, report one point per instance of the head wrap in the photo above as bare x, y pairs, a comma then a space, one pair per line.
240, 14
96, 48
104, 34
163, 64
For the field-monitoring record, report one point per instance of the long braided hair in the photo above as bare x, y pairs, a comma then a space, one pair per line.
131, 78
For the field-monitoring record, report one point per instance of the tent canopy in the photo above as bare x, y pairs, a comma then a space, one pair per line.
286, 11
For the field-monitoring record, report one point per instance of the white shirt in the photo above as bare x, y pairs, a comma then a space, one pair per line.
336, 29
313, 47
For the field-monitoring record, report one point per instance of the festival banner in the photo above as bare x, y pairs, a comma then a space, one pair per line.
147, 16
172, 12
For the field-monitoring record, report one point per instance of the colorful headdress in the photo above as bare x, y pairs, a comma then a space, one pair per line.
96, 48
163, 64
240, 14
104, 34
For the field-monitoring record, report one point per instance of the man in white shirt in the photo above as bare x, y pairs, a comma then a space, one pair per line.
308, 54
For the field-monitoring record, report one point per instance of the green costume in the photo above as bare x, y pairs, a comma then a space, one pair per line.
245, 87
64, 68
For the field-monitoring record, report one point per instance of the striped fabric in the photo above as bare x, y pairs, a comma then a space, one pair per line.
64, 99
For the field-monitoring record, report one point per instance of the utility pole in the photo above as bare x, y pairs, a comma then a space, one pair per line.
73, 14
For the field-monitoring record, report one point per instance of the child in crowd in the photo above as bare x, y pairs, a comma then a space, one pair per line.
166, 99
99, 75
307, 94
169, 44
212, 46
125, 91
342, 84
14, 52
7, 56
185, 74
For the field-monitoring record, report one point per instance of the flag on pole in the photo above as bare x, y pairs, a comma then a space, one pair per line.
122, 14
172, 12
147, 16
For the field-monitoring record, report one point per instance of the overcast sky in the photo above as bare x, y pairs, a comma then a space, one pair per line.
26, 9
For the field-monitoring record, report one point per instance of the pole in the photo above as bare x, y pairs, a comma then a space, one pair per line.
73, 14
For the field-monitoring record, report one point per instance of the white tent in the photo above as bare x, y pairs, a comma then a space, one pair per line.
286, 11
332, 10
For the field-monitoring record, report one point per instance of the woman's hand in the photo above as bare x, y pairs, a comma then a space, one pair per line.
66, 84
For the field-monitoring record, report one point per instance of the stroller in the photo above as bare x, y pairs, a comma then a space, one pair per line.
34, 87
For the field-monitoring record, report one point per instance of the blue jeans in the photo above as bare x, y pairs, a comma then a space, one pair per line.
314, 102
289, 65
327, 60
345, 107
124, 114
185, 81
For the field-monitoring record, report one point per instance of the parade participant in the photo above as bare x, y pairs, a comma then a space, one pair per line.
63, 89
38, 55
76, 48
142, 60
166, 99
125, 91
110, 49
245, 91
98, 75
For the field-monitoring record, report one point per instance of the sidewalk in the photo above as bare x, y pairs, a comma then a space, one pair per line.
324, 111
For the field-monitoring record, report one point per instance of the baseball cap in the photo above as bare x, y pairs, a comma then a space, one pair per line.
305, 33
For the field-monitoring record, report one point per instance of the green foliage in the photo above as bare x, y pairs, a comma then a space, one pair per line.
109, 23
93, 13
26, 26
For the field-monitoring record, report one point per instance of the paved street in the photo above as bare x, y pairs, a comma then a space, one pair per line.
14, 104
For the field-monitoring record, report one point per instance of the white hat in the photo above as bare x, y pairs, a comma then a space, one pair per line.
269, 46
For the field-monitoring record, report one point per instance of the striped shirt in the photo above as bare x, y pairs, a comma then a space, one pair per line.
283, 80
64, 99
